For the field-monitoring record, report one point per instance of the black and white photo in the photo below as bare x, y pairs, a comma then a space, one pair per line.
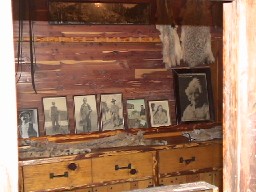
28, 123
56, 115
111, 112
193, 95
86, 116
159, 113
137, 114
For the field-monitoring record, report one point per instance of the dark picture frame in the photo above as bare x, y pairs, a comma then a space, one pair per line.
111, 112
101, 11
55, 115
86, 113
194, 97
28, 123
136, 113
159, 113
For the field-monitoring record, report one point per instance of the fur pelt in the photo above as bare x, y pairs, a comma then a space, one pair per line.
171, 45
45, 148
196, 45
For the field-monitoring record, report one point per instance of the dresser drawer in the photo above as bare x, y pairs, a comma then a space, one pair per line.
57, 175
183, 159
113, 188
126, 186
148, 183
172, 180
122, 167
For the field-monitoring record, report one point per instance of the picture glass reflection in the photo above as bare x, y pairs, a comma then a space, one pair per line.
98, 13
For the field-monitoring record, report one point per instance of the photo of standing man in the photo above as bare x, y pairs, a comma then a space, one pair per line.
85, 115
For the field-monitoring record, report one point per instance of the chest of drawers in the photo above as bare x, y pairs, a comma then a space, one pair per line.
122, 170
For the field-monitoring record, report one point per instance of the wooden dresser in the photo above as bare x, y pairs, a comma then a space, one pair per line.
126, 168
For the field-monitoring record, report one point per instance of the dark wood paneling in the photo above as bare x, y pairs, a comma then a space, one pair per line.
97, 59
182, 12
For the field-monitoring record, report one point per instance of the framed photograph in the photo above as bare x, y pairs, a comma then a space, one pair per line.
159, 113
28, 123
136, 113
86, 116
101, 12
111, 112
55, 115
194, 99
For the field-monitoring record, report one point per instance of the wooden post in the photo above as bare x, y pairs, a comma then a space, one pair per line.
8, 111
239, 96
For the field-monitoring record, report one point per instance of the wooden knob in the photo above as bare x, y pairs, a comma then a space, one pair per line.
72, 166
133, 171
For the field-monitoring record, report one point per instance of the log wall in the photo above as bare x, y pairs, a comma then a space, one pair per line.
96, 59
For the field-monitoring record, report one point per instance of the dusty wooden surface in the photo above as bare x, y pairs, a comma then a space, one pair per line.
187, 187
239, 96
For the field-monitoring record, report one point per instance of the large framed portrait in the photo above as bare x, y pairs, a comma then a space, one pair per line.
28, 123
86, 116
136, 113
159, 113
101, 12
194, 98
55, 115
111, 112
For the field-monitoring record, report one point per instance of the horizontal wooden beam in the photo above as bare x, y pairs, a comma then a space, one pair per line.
94, 39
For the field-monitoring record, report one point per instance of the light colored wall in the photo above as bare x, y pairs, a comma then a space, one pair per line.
8, 141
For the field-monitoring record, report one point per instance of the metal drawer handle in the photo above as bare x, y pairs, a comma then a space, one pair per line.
129, 166
187, 161
64, 175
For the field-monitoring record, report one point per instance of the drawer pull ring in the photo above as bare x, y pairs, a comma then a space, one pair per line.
187, 161
64, 175
129, 166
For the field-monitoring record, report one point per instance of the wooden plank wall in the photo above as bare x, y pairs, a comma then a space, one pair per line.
96, 59
239, 103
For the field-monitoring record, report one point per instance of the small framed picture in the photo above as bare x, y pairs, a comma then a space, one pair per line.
159, 113
28, 123
55, 115
194, 99
111, 112
86, 116
137, 114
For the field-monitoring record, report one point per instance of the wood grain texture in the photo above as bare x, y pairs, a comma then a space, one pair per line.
146, 160
142, 163
52, 176
204, 157
239, 96
96, 59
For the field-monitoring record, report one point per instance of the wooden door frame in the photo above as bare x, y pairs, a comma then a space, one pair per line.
239, 95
